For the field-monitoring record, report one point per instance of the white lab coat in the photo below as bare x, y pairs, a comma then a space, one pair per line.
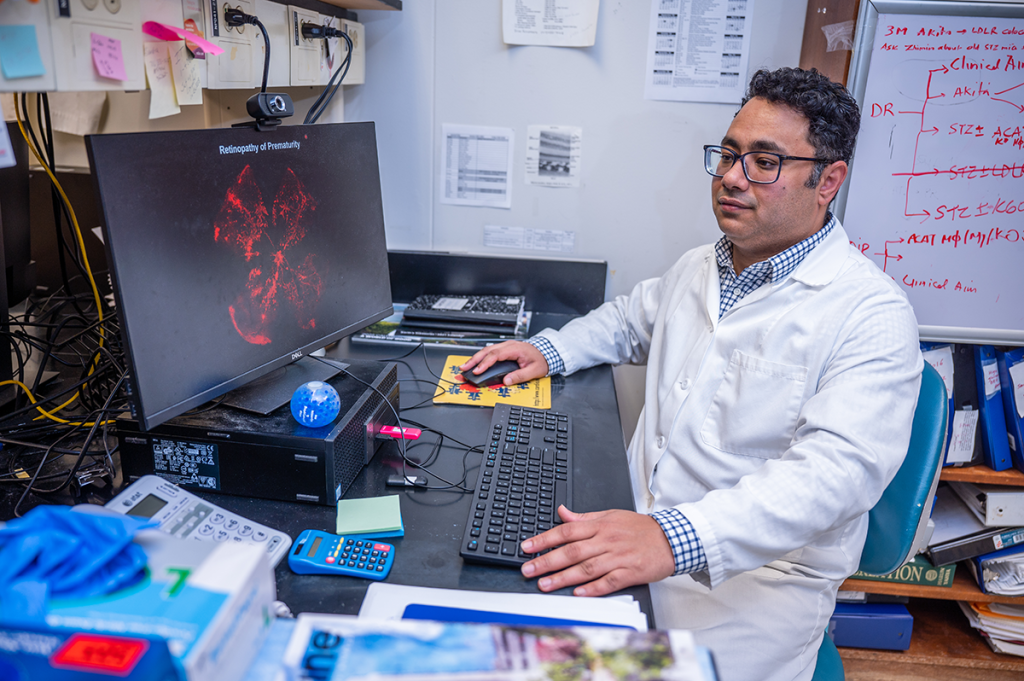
774, 430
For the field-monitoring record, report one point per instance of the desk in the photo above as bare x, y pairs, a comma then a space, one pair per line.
428, 554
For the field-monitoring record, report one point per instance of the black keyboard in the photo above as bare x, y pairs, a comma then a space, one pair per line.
525, 474
503, 310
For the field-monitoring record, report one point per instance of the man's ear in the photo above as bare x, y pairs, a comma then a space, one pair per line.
831, 180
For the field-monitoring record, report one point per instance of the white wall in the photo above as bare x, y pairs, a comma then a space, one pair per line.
644, 197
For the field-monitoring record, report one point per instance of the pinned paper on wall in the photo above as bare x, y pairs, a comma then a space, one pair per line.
185, 69
567, 23
19, 52
553, 155
168, 32
107, 57
162, 101
476, 165
77, 113
6, 150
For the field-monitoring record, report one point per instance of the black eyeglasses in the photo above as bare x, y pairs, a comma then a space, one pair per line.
764, 169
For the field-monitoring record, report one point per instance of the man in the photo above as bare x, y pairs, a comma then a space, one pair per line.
783, 371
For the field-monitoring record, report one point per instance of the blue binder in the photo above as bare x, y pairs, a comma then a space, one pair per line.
992, 421
925, 347
977, 563
883, 626
1014, 423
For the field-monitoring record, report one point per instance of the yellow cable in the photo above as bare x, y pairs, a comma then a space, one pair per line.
42, 411
71, 211
81, 246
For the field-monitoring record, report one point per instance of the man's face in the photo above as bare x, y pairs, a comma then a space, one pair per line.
762, 220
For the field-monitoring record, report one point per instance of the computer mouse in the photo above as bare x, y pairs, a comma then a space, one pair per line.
492, 375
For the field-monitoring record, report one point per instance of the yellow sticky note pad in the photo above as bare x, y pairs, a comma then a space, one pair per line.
453, 390
373, 517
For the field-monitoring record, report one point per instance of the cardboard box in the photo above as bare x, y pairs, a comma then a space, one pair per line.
212, 603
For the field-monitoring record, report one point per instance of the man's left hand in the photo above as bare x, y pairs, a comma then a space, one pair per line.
604, 551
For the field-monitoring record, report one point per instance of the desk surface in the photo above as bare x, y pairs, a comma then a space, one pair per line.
428, 554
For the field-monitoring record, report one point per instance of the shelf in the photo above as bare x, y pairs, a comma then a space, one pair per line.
942, 646
366, 4
964, 588
984, 475
341, 8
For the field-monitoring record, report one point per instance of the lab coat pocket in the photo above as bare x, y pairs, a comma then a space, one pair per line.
755, 409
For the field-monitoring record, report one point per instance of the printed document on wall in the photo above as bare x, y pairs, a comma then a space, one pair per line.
565, 23
698, 51
553, 155
476, 166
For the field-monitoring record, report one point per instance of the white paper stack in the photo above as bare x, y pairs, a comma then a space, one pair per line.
391, 601
1002, 625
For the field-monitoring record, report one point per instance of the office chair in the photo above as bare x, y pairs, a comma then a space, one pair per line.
898, 527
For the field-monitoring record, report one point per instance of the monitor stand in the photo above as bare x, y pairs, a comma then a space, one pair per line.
269, 393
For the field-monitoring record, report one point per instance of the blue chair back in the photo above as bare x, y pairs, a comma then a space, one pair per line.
898, 526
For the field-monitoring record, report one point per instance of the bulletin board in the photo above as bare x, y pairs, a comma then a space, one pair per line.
936, 191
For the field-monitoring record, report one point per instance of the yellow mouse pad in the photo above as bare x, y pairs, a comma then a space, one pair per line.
452, 390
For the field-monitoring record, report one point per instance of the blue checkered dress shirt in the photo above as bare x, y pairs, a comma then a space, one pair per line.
732, 287
686, 545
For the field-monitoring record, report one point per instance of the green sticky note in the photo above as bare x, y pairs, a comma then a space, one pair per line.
375, 516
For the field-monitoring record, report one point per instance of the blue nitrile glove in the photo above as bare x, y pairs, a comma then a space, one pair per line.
53, 552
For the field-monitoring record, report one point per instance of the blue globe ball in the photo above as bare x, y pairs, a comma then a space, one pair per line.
315, 404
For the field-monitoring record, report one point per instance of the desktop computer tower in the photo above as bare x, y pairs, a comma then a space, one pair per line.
223, 449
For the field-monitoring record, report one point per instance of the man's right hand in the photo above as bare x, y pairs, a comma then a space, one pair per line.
531, 362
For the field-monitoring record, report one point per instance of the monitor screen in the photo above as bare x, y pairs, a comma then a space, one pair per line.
234, 252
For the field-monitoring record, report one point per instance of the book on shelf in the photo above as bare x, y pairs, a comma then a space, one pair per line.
395, 331
919, 570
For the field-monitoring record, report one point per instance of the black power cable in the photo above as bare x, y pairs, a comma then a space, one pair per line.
318, 31
236, 17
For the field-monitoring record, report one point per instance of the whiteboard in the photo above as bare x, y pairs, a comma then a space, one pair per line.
936, 189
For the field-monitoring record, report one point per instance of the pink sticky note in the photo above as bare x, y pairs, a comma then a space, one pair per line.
107, 57
168, 32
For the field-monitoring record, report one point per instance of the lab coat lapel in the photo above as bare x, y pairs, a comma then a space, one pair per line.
712, 289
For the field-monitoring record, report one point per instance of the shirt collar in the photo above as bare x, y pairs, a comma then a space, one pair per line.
781, 264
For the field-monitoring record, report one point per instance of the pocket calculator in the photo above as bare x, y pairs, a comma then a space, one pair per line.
320, 553
183, 514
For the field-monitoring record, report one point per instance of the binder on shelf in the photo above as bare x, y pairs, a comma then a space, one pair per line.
993, 505
964, 443
940, 356
1011, 378
883, 626
959, 535
992, 422
1000, 572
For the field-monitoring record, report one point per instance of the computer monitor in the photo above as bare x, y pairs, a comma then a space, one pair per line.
234, 252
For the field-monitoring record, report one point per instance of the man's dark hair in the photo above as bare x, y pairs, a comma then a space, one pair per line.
831, 112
